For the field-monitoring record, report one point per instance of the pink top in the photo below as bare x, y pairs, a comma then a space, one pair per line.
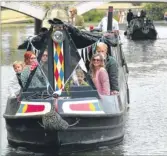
101, 81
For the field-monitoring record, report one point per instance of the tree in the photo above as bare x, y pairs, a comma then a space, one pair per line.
155, 11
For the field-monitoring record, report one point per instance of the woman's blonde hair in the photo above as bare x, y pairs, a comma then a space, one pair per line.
92, 69
18, 62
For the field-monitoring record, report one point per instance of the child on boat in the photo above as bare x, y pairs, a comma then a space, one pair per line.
14, 86
81, 77
78, 78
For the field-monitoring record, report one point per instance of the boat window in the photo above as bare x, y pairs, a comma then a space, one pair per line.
79, 78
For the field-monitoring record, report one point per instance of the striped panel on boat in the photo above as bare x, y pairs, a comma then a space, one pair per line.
58, 66
82, 107
33, 108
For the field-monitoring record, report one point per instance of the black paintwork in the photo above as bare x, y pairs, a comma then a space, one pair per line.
88, 130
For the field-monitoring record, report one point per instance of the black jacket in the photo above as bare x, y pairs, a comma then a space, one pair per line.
129, 16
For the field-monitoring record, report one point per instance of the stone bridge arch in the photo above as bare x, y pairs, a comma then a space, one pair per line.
26, 8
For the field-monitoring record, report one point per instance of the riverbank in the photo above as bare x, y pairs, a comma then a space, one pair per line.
10, 16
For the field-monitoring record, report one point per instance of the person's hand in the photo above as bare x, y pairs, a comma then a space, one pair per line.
34, 65
114, 92
18, 98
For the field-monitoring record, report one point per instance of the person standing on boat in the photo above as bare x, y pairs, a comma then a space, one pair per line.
143, 14
75, 19
129, 16
99, 74
103, 24
14, 86
31, 63
111, 67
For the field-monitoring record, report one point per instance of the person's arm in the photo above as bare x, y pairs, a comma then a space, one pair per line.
81, 23
104, 80
113, 76
100, 25
127, 17
14, 87
10, 87
116, 26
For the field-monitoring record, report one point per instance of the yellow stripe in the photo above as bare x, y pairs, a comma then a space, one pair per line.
92, 107
24, 108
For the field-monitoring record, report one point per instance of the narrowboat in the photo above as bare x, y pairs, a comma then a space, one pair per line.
62, 117
141, 29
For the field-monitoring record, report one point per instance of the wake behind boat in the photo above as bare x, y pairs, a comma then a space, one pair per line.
61, 117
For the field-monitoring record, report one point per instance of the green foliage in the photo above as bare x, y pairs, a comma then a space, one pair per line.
67, 87
94, 15
116, 17
155, 11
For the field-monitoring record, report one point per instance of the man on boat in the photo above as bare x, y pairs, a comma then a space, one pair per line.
111, 67
143, 14
75, 19
129, 16
103, 24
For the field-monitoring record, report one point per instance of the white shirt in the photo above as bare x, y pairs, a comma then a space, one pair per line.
103, 24
14, 87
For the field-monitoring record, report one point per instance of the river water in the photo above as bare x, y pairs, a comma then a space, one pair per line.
146, 125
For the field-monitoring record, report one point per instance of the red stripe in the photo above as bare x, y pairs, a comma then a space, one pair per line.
80, 107
35, 108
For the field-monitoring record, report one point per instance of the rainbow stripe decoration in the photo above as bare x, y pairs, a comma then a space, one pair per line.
33, 108
82, 107
58, 66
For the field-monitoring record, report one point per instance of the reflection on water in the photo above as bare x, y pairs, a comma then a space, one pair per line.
146, 128
11, 38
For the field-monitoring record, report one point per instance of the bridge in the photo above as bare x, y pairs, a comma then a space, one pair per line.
26, 8
39, 13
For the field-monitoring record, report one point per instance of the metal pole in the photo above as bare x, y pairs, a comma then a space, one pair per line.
110, 17
51, 63
38, 24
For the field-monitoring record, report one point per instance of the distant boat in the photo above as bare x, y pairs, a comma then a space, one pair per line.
141, 29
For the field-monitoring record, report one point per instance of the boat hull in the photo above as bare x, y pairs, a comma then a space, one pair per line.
139, 35
30, 134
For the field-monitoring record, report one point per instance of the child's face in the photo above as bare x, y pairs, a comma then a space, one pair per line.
80, 78
18, 68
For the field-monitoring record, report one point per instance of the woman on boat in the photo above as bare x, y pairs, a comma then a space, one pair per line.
31, 63
44, 62
111, 67
99, 74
